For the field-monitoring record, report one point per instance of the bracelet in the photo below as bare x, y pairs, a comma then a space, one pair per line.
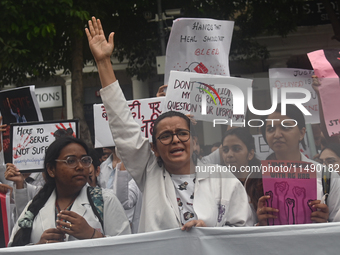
94, 232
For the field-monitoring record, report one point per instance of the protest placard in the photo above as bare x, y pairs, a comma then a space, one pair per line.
144, 111
186, 90
296, 78
326, 66
17, 105
291, 185
30, 141
200, 46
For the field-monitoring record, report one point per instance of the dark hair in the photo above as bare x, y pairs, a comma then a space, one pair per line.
23, 236
248, 140
335, 147
169, 115
254, 186
292, 112
95, 157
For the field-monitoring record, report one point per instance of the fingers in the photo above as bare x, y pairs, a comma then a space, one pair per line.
262, 201
111, 38
52, 235
161, 92
3, 189
322, 211
67, 215
194, 223
319, 216
100, 28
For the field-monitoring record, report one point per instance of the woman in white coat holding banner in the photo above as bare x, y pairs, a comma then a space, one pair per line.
174, 195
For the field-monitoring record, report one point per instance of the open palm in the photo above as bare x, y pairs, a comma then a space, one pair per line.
100, 47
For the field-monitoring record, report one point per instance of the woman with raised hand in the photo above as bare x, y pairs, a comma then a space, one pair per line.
284, 140
66, 208
173, 194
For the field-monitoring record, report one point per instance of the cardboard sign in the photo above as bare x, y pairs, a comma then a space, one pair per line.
326, 65
296, 78
186, 91
30, 141
144, 111
291, 185
17, 105
199, 46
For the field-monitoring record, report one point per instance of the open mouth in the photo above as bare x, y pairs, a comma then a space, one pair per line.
177, 151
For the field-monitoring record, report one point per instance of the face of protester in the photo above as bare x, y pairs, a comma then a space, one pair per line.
328, 158
67, 177
175, 155
93, 174
235, 152
283, 140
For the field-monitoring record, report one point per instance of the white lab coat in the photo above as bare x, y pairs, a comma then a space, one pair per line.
333, 201
217, 201
114, 218
129, 195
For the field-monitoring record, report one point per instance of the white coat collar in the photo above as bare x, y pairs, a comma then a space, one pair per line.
45, 211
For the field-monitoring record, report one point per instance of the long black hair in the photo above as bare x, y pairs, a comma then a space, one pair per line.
23, 236
254, 187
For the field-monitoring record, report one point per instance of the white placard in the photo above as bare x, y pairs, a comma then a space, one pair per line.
296, 78
31, 140
185, 91
199, 45
144, 111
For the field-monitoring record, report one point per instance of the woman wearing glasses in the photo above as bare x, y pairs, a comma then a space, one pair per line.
173, 194
64, 210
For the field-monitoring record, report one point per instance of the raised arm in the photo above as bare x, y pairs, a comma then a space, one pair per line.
101, 50
134, 150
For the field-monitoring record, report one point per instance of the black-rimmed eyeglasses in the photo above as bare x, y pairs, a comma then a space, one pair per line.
167, 137
73, 161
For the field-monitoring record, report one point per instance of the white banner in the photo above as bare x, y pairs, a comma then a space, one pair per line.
144, 111
30, 141
200, 46
186, 90
320, 238
296, 78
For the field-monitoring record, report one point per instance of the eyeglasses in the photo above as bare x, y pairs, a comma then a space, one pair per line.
73, 161
167, 137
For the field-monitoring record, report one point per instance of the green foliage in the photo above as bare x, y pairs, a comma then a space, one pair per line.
36, 35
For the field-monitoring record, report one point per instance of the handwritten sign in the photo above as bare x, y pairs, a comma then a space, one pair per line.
326, 65
144, 111
199, 46
31, 140
186, 91
296, 78
291, 186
